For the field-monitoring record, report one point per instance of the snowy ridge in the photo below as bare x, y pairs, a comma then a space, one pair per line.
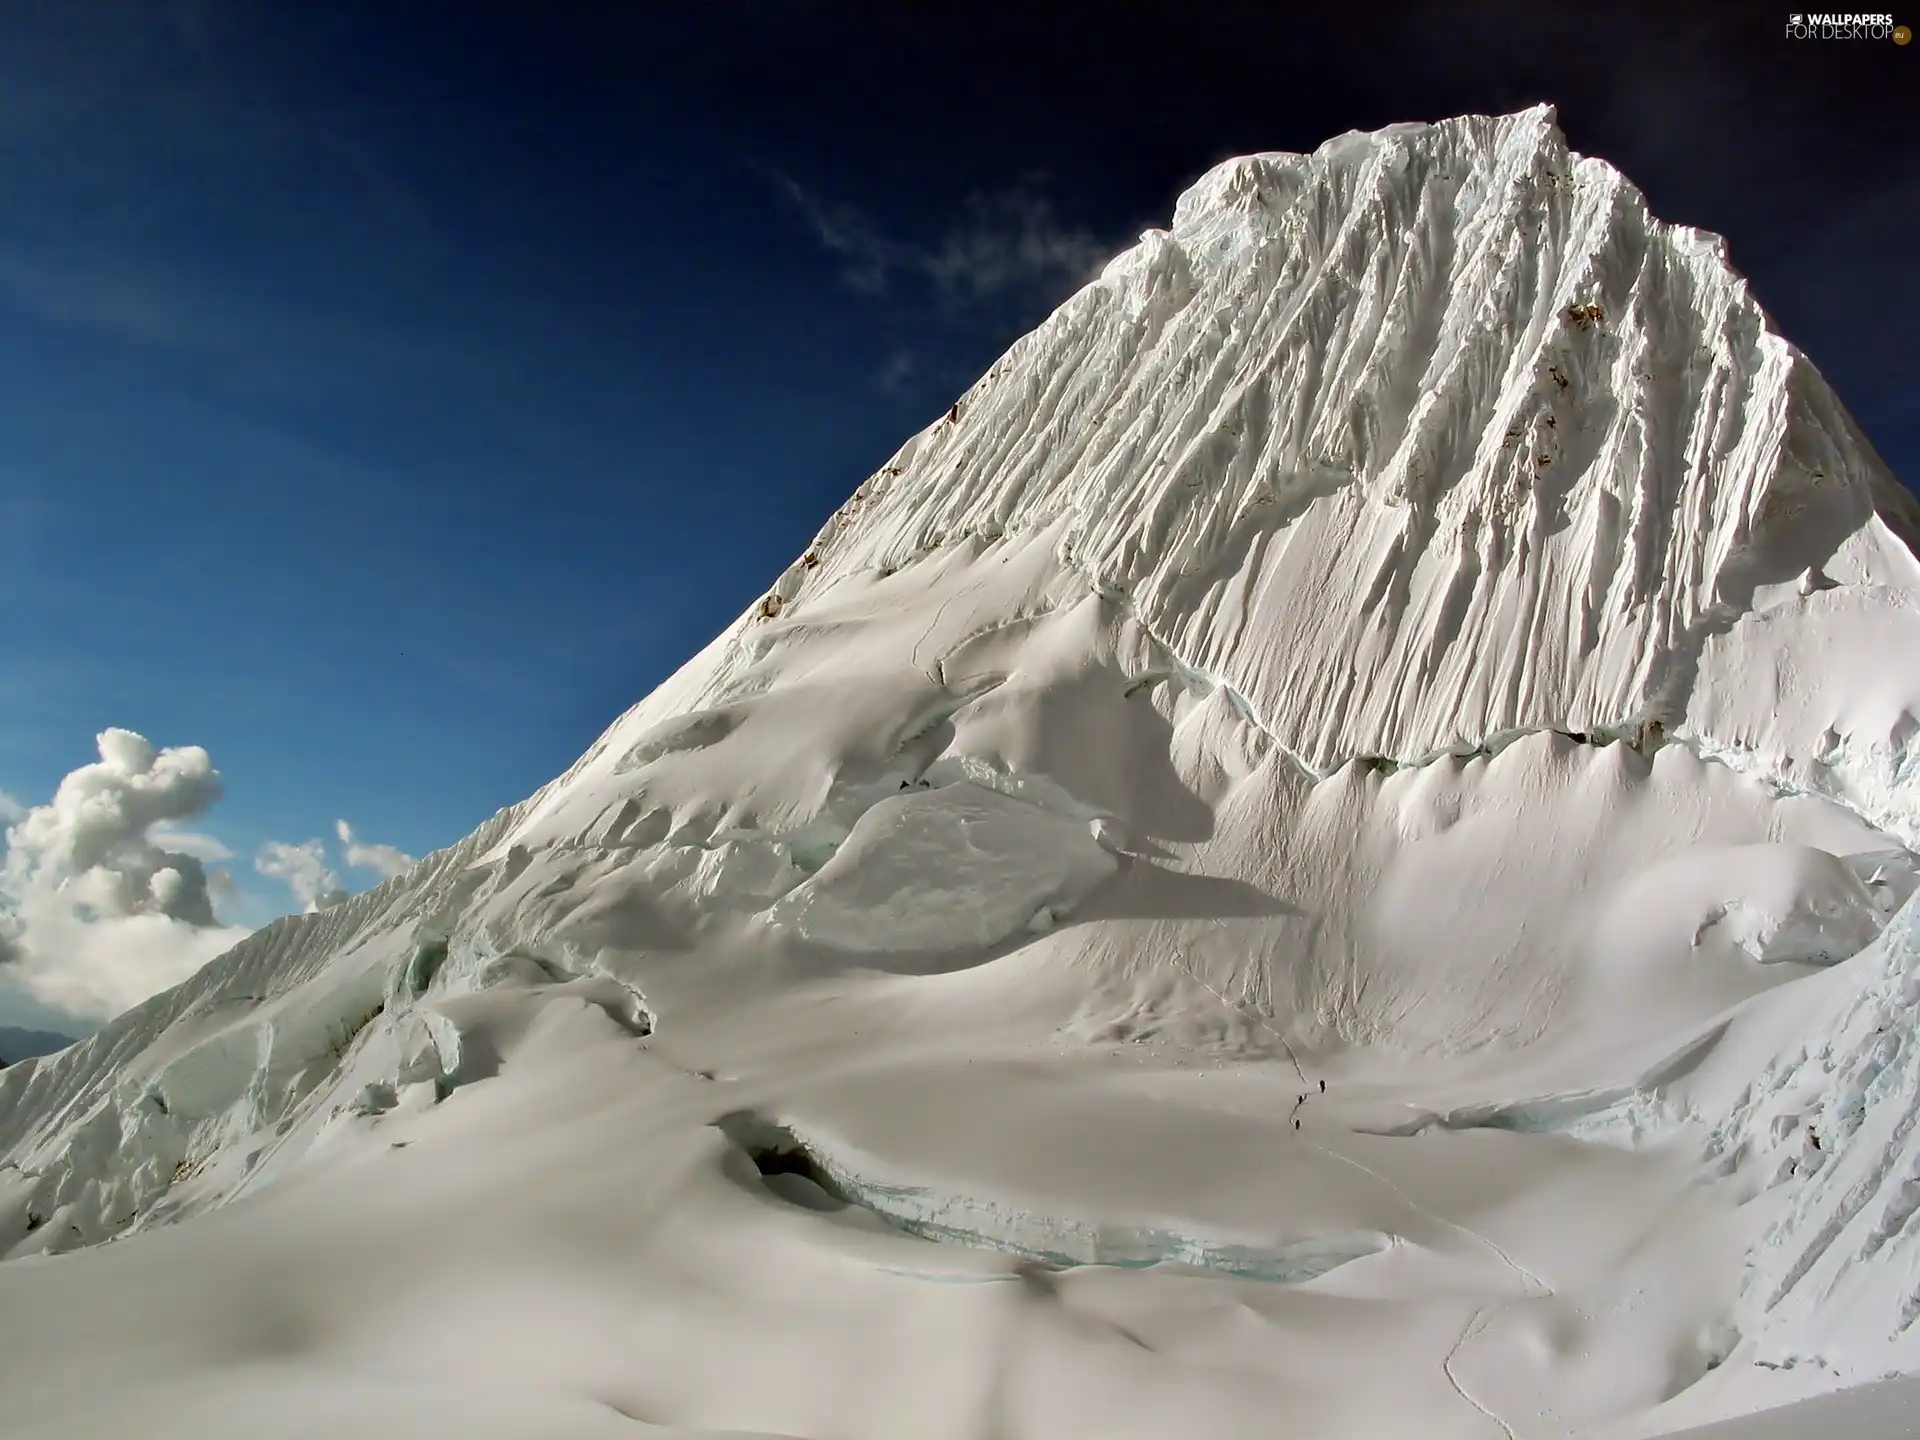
98, 1135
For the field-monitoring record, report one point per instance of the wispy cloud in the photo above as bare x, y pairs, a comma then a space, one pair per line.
306, 870
1012, 243
894, 376
867, 257
385, 860
113, 298
303, 869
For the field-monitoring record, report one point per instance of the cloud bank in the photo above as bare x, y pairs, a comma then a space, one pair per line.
106, 898
97, 911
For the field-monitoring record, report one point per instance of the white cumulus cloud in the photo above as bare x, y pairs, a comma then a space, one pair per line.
106, 895
98, 907
96, 835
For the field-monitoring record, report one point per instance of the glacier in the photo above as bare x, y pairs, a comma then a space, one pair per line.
1334, 840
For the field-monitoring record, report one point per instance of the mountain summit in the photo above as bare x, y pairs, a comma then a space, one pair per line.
1332, 840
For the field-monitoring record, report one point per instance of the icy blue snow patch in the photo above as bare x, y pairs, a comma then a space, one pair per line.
949, 1219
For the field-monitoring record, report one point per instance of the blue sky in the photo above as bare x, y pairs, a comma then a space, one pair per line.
390, 395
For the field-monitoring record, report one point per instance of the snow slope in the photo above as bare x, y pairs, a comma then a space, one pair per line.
1325, 844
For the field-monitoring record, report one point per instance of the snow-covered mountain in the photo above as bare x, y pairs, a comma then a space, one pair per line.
1331, 842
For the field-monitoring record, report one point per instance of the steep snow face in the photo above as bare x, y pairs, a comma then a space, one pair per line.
1316, 826
1429, 436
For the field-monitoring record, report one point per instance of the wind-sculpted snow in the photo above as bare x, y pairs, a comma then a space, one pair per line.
1333, 823
961, 866
1429, 435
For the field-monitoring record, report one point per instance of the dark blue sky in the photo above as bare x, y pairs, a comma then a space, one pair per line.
392, 393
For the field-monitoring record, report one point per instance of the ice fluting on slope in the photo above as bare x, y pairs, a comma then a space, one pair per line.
1431, 435
1426, 439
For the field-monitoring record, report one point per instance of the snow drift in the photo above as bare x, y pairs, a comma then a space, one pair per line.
1331, 841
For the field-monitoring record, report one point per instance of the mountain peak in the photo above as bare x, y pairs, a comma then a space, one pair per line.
1390, 401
